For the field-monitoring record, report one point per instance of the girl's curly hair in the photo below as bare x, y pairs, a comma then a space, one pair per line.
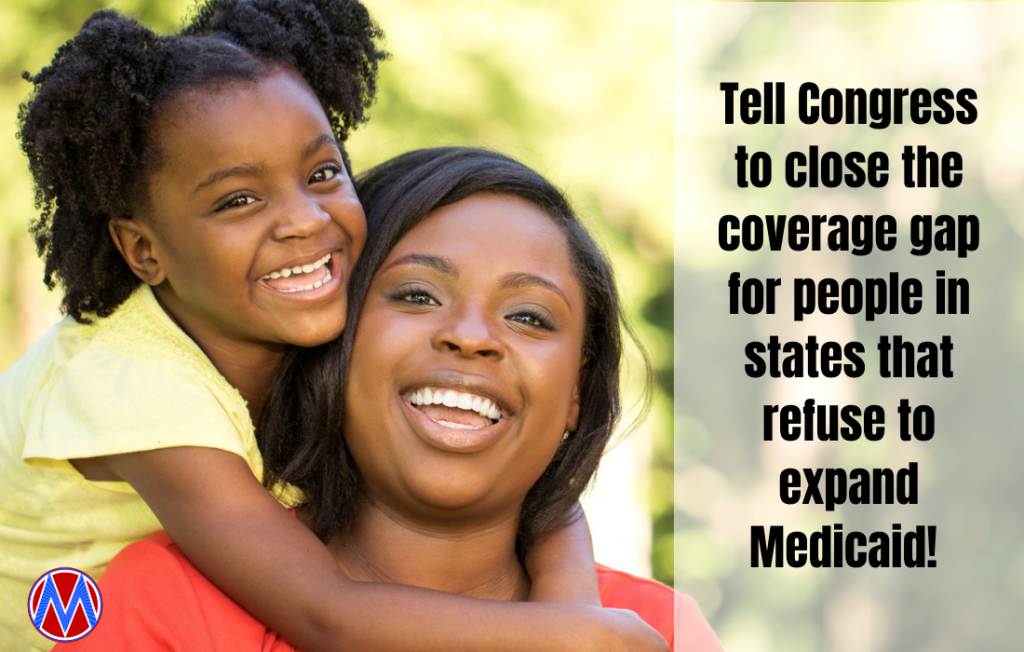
86, 127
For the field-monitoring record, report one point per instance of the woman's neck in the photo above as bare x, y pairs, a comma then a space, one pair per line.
478, 561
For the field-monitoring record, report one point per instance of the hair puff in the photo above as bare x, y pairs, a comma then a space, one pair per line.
86, 128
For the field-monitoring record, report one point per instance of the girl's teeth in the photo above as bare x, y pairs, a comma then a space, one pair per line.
285, 273
301, 269
451, 399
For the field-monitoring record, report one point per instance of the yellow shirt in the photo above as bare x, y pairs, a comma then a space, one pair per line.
129, 382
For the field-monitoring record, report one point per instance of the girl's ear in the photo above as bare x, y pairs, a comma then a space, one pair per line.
135, 242
574, 407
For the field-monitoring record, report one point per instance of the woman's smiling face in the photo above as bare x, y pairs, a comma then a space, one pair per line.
467, 358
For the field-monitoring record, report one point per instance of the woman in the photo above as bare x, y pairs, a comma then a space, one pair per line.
476, 396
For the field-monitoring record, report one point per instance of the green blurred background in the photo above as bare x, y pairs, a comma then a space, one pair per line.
580, 90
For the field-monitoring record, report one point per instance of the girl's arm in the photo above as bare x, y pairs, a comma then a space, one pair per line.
561, 565
235, 533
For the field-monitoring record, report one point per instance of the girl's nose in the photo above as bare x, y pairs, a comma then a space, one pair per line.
300, 217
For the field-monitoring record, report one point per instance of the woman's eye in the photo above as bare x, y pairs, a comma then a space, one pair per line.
531, 319
324, 174
239, 201
419, 297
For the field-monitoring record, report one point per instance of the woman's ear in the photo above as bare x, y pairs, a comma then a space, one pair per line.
574, 407
135, 242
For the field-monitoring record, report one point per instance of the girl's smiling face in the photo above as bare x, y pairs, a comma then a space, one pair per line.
466, 363
252, 224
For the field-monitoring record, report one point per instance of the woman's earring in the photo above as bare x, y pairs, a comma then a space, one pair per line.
565, 435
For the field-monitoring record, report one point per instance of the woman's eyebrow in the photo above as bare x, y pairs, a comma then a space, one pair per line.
442, 264
523, 280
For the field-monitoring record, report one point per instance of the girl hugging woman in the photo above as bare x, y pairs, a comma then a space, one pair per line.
454, 425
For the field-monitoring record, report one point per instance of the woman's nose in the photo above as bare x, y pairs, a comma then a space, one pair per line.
469, 334
301, 216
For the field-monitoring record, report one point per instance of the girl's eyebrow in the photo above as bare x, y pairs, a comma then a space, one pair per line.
522, 279
244, 170
318, 142
256, 169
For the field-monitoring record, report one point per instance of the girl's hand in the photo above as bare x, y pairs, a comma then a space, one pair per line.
561, 565
627, 632
252, 549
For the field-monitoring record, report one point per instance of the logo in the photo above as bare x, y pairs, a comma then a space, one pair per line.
64, 604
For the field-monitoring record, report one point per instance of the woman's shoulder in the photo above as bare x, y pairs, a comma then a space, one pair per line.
154, 598
676, 616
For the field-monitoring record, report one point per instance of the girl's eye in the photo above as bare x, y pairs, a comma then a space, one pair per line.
324, 174
238, 201
532, 319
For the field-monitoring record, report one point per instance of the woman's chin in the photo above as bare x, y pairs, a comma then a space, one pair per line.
455, 496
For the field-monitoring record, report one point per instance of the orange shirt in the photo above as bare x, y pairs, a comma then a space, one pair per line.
155, 599
676, 616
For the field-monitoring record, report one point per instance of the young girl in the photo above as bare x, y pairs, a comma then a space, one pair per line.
209, 166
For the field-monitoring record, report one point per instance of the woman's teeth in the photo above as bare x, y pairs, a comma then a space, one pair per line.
308, 268
450, 398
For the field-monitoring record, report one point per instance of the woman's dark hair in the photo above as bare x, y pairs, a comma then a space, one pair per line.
309, 395
86, 128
